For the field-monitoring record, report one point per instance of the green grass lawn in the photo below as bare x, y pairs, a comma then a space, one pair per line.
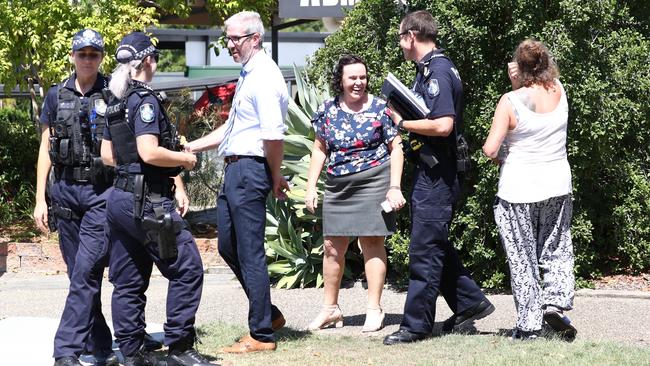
301, 348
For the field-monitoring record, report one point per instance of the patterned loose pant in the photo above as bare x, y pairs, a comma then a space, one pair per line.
537, 241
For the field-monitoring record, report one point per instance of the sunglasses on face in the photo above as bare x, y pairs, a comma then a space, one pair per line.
402, 34
155, 56
88, 55
236, 39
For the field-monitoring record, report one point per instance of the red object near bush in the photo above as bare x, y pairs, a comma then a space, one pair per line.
217, 96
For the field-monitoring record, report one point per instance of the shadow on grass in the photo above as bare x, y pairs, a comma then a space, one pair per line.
290, 334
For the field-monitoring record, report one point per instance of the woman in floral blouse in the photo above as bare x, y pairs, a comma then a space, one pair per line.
356, 138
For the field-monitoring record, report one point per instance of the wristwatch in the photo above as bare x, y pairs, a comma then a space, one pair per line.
400, 125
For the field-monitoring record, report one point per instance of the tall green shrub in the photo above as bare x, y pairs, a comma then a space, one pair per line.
18, 153
603, 50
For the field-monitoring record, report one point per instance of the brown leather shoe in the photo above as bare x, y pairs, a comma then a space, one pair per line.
249, 344
278, 323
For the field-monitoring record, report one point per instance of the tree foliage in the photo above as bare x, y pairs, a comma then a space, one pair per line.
220, 10
603, 50
36, 35
17, 160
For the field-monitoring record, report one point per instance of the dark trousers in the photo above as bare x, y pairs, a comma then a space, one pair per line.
131, 262
84, 246
241, 220
435, 267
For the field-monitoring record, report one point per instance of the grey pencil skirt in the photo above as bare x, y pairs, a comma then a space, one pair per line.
352, 204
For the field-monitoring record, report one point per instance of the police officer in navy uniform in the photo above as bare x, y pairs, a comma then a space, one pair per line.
145, 223
70, 138
435, 267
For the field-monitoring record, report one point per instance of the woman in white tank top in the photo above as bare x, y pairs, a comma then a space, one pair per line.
533, 207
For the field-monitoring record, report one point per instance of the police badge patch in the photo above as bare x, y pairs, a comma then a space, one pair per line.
146, 113
100, 106
433, 88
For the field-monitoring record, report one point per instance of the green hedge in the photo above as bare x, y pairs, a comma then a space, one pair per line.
603, 51
18, 154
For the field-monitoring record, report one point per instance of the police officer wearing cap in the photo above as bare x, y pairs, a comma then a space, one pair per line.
434, 265
70, 144
145, 223
252, 143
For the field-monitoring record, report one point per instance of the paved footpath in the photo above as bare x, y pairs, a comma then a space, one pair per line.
30, 305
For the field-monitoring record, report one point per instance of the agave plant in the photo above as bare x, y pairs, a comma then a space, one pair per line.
294, 240
294, 243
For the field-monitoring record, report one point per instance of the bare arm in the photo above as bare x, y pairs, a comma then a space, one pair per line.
441, 126
274, 150
43, 167
182, 201
394, 194
513, 74
396, 161
152, 153
318, 157
108, 156
207, 142
502, 121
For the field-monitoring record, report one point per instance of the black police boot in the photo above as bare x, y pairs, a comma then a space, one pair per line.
106, 358
404, 336
476, 312
141, 358
150, 343
67, 361
189, 357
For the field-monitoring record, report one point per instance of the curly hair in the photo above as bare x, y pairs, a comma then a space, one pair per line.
536, 64
336, 84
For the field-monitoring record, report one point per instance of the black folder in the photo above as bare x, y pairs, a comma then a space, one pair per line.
403, 100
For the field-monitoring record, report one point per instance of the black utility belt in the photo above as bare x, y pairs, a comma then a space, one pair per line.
84, 174
235, 158
75, 173
163, 186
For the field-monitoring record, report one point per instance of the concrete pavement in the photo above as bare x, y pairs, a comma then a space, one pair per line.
32, 303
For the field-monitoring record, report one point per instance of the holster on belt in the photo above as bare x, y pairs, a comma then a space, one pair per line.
164, 227
51, 217
138, 196
418, 149
427, 155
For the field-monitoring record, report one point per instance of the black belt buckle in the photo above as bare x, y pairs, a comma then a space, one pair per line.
124, 183
81, 174
236, 158
231, 159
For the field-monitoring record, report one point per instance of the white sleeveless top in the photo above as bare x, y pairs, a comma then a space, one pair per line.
536, 166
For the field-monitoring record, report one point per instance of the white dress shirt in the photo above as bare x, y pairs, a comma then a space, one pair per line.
258, 109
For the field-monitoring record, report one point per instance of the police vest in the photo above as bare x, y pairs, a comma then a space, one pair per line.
122, 131
76, 133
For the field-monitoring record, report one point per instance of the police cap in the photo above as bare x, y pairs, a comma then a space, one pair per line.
134, 46
88, 38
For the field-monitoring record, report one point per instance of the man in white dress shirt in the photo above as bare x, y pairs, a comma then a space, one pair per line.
251, 142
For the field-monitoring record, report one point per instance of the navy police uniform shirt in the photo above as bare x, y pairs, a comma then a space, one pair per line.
439, 84
50, 104
145, 116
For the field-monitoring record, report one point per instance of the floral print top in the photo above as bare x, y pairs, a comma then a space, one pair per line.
354, 141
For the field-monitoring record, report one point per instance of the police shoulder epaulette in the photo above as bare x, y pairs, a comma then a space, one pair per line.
143, 93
